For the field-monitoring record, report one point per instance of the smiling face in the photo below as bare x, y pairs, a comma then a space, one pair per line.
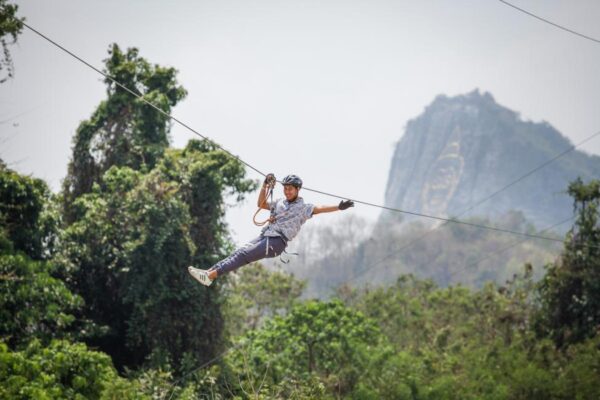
290, 192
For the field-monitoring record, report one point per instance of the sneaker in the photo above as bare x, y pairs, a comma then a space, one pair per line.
200, 275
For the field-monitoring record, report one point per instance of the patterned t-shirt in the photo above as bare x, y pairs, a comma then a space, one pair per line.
289, 217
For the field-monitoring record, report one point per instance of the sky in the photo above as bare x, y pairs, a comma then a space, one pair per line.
322, 89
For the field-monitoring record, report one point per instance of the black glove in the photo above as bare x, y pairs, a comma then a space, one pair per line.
270, 180
345, 204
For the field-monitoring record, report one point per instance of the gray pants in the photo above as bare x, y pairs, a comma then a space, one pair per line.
257, 249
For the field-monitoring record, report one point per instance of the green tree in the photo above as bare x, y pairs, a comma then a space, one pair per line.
255, 294
130, 248
33, 304
570, 291
10, 27
451, 342
123, 130
27, 214
579, 369
60, 371
325, 341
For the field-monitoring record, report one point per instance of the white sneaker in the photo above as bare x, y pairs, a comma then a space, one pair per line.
200, 275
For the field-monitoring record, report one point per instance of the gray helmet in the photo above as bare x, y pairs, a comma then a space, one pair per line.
293, 180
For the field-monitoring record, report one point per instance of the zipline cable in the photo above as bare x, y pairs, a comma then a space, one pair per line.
549, 22
510, 246
513, 244
450, 220
140, 97
260, 172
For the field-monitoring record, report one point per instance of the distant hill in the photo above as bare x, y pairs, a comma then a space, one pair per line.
461, 149
332, 255
457, 152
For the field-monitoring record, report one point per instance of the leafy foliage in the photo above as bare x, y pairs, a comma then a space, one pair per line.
458, 343
126, 255
324, 339
27, 214
10, 27
59, 371
570, 291
33, 304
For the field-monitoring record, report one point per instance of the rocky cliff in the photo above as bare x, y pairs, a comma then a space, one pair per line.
462, 149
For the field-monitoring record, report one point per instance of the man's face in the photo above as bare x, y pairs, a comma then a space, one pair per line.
290, 192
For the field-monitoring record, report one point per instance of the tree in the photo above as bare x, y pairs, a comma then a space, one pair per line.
33, 304
27, 214
254, 294
123, 130
570, 292
130, 247
137, 214
323, 340
60, 371
10, 27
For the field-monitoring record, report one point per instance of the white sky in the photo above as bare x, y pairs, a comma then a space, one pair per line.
322, 89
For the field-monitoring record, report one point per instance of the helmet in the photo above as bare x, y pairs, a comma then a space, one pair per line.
293, 180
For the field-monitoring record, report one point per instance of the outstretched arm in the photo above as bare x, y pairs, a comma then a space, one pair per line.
325, 209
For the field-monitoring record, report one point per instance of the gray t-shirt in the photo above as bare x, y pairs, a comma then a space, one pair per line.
289, 217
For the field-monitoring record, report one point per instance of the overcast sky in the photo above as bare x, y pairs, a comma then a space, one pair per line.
322, 89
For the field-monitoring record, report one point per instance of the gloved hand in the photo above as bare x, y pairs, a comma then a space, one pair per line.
270, 180
344, 204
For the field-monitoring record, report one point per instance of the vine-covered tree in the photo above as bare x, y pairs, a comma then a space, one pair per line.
123, 130
34, 302
130, 248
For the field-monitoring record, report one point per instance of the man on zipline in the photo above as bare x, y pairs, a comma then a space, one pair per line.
287, 217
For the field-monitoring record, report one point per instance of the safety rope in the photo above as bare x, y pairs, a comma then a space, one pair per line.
270, 185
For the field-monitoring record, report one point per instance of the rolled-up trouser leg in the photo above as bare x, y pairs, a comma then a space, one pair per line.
257, 249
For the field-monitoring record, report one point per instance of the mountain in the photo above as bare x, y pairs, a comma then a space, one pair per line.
462, 149
459, 151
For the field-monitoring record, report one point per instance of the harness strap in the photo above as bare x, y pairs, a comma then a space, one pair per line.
289, 254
